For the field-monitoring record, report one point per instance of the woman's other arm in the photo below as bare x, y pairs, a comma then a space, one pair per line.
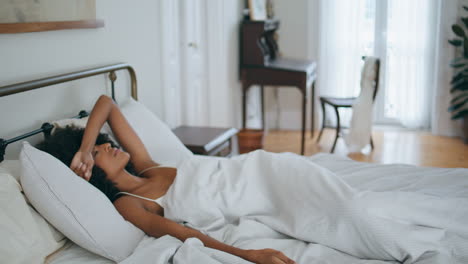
105, 110
157, 226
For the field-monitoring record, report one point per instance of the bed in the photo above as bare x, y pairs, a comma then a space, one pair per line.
30, 235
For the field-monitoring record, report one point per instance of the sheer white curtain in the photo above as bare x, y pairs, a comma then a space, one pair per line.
344, 37
411, 38
341, 46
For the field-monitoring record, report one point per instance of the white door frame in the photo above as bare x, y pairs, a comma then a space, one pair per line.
170, 61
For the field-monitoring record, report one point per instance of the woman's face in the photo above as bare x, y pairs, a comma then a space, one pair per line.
110, 160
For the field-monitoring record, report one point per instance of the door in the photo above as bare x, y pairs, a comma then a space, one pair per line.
193, 62
197, 84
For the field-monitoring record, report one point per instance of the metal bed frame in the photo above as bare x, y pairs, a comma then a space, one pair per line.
46, 128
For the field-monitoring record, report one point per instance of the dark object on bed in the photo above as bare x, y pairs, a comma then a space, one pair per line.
40, 83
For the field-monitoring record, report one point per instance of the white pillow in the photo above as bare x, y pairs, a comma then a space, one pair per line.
25, 236
12, 167
162, 144
75, 207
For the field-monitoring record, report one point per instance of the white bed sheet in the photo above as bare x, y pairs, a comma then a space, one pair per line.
72, 253
365, 176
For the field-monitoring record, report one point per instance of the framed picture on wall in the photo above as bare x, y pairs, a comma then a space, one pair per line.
42, 15
257, 9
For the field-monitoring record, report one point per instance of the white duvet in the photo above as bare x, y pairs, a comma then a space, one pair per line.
299, 199
339, 212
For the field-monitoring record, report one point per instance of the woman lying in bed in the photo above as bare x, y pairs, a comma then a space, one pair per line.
131, 179
259, 195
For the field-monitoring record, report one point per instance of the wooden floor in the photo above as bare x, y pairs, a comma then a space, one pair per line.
409, 147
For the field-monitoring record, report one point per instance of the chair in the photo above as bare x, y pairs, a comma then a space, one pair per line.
337, 103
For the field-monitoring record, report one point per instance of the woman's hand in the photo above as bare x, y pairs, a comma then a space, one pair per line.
82, 164
268, 256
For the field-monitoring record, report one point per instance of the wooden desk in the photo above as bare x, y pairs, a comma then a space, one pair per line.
281, 72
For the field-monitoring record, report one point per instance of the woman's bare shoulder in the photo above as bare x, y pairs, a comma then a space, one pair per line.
157, 170
135, 212
124, 202
129, 206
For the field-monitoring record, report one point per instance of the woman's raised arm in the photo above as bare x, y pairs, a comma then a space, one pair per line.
105, 110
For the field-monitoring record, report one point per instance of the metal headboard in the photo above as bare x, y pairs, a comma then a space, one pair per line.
67, 77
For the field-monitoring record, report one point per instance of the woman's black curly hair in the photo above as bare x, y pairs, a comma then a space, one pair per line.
63, 143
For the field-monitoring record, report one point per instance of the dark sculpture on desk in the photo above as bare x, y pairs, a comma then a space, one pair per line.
261, 65
258, 43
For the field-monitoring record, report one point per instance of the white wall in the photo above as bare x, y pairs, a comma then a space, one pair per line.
297, 39
226, 108
441, 123
130, 35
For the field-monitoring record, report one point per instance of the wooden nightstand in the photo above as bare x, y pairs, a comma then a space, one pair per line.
210, 141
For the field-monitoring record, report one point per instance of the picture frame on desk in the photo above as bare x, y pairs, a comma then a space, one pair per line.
257, 9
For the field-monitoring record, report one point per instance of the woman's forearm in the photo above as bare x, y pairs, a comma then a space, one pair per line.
211, 242
97, 118
215, 244
157, 226
260, 256
106, 110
